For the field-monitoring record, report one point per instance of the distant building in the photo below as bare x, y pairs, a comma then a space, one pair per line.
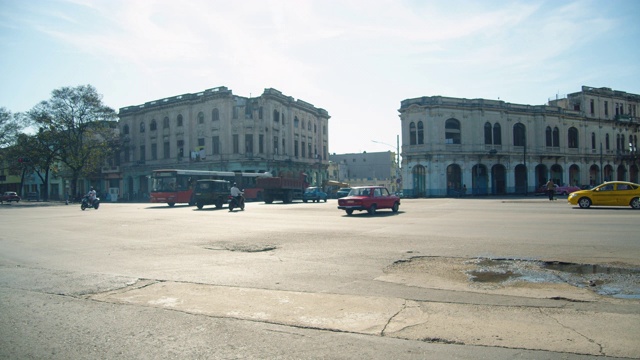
377, 168
493, 147
217, 130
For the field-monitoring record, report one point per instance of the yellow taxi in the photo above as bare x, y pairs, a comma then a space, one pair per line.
611, 193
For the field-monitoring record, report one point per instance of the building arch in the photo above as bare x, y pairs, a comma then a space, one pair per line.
556, 174
608, 173
556, 137
419, 174
594, 175
633, 173
454, 180
520, 174
153, 126
574, 175
498, 179
542, 174
488, 134
622, 173
519, 134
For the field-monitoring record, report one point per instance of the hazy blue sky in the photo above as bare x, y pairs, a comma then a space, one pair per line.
356, 59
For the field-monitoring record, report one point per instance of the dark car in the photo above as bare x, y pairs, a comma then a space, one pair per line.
343, 192
370, 199
211, 192
9, 196
314, 194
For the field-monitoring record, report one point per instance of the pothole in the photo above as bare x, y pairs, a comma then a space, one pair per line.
248, 248
523, 277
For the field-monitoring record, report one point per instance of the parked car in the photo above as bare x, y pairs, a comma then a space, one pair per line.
559, 189
314, 194
612, 193
370, 199
10, 196
343, 192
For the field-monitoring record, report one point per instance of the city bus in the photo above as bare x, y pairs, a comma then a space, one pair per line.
175, 186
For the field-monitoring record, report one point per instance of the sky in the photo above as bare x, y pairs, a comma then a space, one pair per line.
357, 59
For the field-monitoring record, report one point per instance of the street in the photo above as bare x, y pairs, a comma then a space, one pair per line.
304, 280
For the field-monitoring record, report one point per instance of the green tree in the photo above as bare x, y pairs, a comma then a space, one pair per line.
78, 128
10, 126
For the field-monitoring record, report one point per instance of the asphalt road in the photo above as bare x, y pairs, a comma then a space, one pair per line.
145, 281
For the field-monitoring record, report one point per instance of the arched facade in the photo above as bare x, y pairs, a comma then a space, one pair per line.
493, 147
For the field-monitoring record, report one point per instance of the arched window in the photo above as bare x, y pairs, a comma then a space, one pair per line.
412, 133
165, 122
548, 137
179, 120
519, 134
556, 137
142, 126
488, 140
452, 132
296, 122
420, 133
302, 124
572, 138
200, 118
125, 130
153, 126
215, 114
497, 134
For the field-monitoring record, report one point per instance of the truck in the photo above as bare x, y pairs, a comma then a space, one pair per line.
282, 188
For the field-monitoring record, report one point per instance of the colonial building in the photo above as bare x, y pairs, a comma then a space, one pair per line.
217, 130
494, 147
376, 168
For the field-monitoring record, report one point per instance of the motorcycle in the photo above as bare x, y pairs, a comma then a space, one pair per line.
86, 203
235, 203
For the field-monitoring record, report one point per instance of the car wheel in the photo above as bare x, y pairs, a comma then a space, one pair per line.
395, 207
200, 206
372, 209
325, 199
635, 203
584, 203
349, 212
304, 200
171, 204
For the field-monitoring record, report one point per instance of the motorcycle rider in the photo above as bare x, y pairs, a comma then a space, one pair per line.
91, 195
237, 194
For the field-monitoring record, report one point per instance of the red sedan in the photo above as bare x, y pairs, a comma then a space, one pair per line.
369, 198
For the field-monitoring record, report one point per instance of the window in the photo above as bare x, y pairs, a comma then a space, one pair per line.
593, 141
154, 151
412, 133
127, 155
261, 144
548, 137
452, 131
215, 145
125, 130
304, 149
488, 140
165, 122
556, 137
142, 152
236, 144
248, 144
235, 112
606, 108
592, 107
260, 113
309, 150
200, 143
153, 126
180, 148
142, 126
276, 116
497, 134
179, 120
296, 122
215, 115
607, 141
200, 118
275, 145
420, 133
166, 150
519, 135
572, 138
295, 148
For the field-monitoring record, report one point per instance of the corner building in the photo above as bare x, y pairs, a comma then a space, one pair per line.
494, 147
217, 130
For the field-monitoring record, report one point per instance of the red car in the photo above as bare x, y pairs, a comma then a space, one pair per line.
9, 196
369, 198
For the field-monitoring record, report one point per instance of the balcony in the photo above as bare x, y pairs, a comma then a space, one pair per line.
110, 169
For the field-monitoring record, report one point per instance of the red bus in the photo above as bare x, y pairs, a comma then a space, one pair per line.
174, 186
